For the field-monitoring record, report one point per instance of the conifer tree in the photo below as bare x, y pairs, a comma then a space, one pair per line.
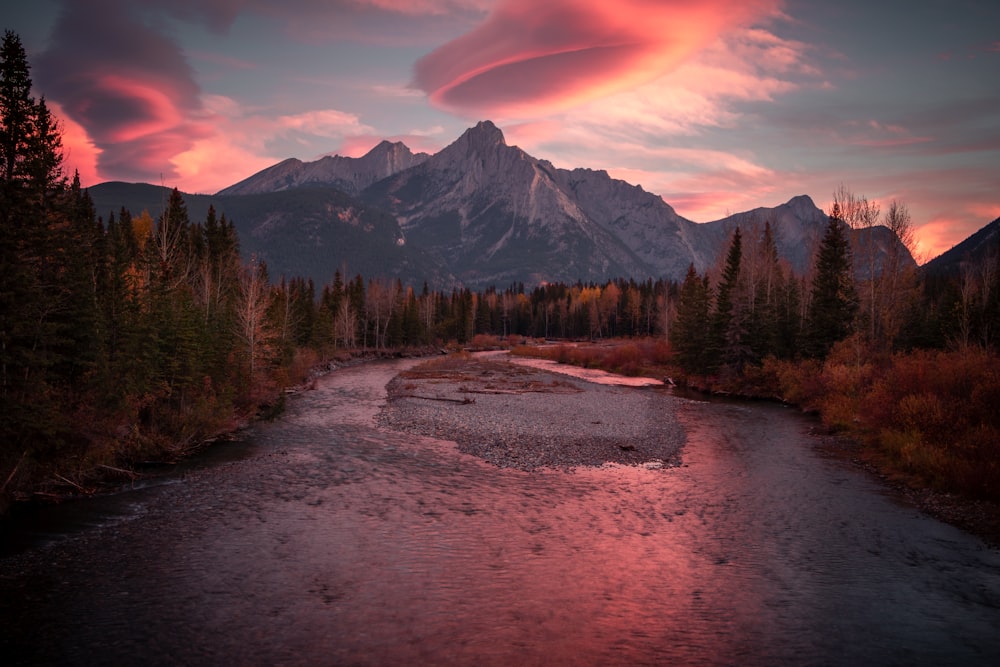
36, 233
728, 344
16, 110
765, 317
690, 335
834, 299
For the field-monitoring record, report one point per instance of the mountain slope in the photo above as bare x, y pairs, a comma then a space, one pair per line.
478, 213
308, 232
495, 215
974, 249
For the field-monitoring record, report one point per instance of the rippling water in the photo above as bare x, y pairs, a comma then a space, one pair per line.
334, 543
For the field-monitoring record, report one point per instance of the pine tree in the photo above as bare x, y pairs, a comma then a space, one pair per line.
729, 325
36, 260
690, 334
16, 110
765, 316
834, 299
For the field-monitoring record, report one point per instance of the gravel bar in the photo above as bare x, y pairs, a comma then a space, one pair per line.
519, 417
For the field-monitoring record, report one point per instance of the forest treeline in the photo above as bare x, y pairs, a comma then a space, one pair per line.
127, 339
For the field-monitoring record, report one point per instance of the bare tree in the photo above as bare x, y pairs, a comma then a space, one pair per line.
380, 299
251, 313
345, 325
863, 216
867, 220
899, 276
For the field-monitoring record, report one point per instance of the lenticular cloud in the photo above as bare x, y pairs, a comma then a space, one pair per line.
530, 58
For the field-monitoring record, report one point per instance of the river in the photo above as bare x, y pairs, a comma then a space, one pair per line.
320, 540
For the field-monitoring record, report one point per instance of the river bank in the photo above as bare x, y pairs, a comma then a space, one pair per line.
327, 538
56, 478
471, 400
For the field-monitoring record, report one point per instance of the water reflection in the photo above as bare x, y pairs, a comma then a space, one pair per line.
340, 544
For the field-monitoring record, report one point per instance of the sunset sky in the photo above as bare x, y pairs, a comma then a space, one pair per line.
718, 106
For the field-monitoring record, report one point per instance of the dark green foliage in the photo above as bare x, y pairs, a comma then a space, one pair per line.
731, 316
40, 227
692, 334
834, 299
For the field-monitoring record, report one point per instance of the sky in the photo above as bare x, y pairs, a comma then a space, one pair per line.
718, 106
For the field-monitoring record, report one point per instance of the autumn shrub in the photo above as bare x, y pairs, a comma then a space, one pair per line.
934, 413
304, 360
513, 339
448, 362
572, 354
625, 359
485, 342
657, 352
533, 351
798, 382
846, 383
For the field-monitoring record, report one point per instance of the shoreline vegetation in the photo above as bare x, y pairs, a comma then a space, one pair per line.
126, 339
923, 423
845, 413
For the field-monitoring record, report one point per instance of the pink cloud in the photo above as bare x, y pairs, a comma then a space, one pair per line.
127, 85
324, 123
79, 153
238, 144
529, 59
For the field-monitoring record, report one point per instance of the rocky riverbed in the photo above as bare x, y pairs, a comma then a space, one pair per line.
484, 405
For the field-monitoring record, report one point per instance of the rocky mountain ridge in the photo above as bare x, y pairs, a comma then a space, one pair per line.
480, 213
352, 175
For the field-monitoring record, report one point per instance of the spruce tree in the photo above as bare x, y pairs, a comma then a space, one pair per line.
690, 334
764, 319
37, 261
16, 109
729, 325
834, 299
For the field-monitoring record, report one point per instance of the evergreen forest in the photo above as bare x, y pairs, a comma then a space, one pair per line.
126, 339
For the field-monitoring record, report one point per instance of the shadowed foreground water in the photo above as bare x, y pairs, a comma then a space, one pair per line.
334, 543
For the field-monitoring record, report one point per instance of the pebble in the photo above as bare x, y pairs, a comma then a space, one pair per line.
526, 419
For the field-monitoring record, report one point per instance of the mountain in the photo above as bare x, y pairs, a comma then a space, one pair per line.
798, 227
309, 232
974, 249
495, 215
478, 213
352, 175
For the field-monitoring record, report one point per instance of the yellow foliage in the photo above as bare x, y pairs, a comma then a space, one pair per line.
142, 229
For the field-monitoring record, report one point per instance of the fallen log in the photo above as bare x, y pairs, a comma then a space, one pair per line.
460, 401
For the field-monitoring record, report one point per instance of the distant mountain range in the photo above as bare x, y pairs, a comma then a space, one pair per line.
477, 213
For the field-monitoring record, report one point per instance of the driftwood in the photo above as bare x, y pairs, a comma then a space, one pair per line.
131, 474
72, 483
460, 401
13, 472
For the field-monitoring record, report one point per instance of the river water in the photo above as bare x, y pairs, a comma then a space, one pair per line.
319, 540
